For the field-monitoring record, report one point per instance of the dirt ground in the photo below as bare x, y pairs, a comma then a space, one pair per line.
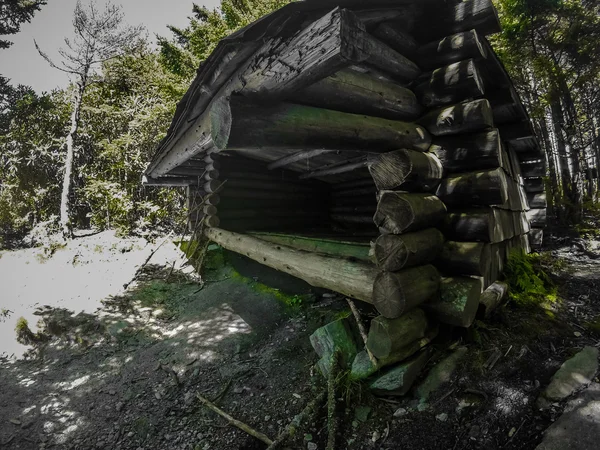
126, 376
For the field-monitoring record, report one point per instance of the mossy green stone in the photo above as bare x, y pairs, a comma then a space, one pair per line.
338, 335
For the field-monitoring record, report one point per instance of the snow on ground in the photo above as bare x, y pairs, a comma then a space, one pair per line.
76, 277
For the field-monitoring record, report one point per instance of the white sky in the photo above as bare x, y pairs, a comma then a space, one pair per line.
23, 65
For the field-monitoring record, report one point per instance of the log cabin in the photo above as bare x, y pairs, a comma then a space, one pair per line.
377, 149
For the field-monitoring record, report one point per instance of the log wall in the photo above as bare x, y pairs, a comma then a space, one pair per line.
402, 153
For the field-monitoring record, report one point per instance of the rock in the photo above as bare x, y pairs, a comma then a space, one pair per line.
579, 426
442, 417
267, 418
458, 301
120, 406
362, 413
312, 446
400, 412
399, 379
338, 335
574, 374
441, 373
15, 421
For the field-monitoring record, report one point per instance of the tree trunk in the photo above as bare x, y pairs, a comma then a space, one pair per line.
65, 222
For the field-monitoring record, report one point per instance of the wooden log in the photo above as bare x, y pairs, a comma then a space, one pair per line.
210, 210
328, 246
267, 185
460, 118
400, 212
350, 278
458, 301
491, 298
353, 219
271, 213
279, 224
398, 380
333, 42
482, 225
238, 124
394, 293
362, 367
537, 217
536, 238
453, 17
256, 194
367, 190
303, 155
465, 258
212, 221
358, 93
469, 152
534, 185
170, 181
450, 49
358, 183
336, 169
355, 209
489, 187
391, 34
388, 336
450, 84
362, 200
407, 168
516, 131
533, 170
537, 200
396, 252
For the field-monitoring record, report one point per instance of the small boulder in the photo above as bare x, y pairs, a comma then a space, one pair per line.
574, 374
399, 379
338, 335
440, 374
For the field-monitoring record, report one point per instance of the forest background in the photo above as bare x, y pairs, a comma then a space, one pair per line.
124, 102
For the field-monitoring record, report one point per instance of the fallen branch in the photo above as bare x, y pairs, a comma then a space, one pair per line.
363, 332
139, 270
241, 425
332, 423
309, 410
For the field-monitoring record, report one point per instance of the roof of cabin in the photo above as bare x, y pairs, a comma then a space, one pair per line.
235, 50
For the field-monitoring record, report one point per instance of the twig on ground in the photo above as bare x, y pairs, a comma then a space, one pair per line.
363, 332
492, 360
332, 422
223, 391
241, 425
172, 374
139, 270
309, 410
443, 397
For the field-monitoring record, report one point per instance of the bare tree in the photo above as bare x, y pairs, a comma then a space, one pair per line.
100, 35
